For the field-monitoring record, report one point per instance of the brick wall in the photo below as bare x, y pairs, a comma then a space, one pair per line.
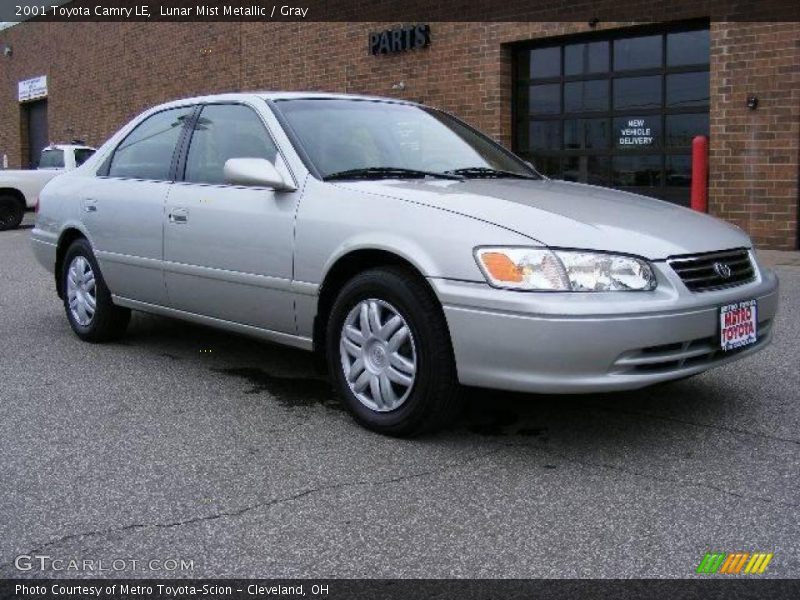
100, 75
754, 153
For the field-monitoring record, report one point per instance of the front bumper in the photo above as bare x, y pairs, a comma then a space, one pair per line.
594, 342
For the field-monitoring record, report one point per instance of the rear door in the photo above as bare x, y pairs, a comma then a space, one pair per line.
228, 249
123, 209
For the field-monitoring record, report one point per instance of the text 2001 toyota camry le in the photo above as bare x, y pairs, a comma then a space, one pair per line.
410, 248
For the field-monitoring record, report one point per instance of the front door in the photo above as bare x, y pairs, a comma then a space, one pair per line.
228, 249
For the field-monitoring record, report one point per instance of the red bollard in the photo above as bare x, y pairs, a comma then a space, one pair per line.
700, 173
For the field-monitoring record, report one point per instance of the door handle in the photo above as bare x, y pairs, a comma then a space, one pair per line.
90, 205
179, 216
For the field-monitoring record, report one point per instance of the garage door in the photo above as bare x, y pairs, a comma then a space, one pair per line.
617, 109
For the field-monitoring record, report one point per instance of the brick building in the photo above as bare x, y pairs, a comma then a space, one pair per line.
609, 102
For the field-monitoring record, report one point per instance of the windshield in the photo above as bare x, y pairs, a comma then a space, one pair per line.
52, 159
341, 136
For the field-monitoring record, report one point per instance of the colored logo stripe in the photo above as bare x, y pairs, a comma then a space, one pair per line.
731, 564
734, 563
710, 563
758, 563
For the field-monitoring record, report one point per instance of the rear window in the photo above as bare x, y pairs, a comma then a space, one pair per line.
52, 159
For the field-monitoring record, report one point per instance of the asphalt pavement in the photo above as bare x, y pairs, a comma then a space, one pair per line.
183, 443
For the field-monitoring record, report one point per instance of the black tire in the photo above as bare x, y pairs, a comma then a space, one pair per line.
109, 321
11, 212
433, 398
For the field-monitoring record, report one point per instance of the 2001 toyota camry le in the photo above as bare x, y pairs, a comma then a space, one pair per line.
412, 250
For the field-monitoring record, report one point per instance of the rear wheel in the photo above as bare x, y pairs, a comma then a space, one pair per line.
11, 212
389, 353
87, 301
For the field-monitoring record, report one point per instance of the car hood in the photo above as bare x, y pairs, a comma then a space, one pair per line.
29, 173
570, 215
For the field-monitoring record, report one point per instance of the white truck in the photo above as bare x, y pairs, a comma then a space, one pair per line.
19, 189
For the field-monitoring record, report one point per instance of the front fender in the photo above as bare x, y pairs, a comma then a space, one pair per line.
333, 221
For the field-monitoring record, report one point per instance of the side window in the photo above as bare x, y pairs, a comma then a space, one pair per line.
82, 155
147, 151
52, 159
221, 132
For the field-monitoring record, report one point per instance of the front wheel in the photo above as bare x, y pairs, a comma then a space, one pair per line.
389, 353
11, 212
87, 301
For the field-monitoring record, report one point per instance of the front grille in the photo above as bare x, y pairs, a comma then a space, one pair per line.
682, 355
704, 272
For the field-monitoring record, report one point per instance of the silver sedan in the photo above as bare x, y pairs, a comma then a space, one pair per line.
411, 250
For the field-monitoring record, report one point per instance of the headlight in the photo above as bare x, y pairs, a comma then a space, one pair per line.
541, 269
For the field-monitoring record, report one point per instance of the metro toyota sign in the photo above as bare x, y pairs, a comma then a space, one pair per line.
400, 39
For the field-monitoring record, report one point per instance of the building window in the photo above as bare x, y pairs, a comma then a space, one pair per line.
617, 109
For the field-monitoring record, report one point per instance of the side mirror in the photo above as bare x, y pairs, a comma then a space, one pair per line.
258, 172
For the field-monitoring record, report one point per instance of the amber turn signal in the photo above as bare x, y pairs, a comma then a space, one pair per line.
501, 267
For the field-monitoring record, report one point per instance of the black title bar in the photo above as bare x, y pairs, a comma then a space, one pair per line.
716, 588
394, 11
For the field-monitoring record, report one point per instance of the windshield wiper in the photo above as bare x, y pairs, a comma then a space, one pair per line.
487, 173
388, 173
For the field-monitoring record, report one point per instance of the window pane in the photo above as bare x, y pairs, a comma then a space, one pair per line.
688, 48
637, 92
545, 135
545, 99
147, 151
523, 65
222, 132
637, 133
637, 53
583, 96
637, 171
681, 129
52, 159
82, 155
580, 59
545, 62
687, 89
679, 171
590, 134
586, 169
547, 165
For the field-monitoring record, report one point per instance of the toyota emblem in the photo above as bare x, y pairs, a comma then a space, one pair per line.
722, 270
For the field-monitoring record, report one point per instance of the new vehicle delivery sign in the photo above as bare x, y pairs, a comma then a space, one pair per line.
636, 132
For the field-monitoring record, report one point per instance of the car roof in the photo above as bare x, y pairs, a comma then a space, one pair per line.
68, 147
273, 95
